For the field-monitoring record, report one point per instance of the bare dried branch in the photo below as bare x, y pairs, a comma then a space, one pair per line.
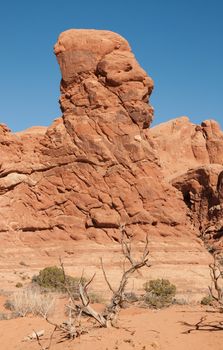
86, 307
89, 282
216, 291
105, 277
119, 295
202, 325
146, 250
66, 284
72, 328
51, 337
38, 341
38, 335
126, 250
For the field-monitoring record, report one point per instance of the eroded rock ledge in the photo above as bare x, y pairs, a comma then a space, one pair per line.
191, 157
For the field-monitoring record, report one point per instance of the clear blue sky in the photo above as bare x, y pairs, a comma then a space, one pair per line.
179, 43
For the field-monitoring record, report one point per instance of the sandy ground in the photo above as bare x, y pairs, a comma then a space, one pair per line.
139, 329
182, 262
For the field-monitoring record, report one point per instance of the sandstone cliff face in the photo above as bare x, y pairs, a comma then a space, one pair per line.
191, 157
182, 145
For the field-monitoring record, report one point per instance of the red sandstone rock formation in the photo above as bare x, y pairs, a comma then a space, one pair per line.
182, 145
191, 157
100, 166
95, 168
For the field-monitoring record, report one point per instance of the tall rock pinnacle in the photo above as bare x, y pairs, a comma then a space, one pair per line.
99, 72
104, 100
94, 168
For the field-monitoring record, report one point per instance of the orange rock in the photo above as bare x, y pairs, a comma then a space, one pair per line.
99, 166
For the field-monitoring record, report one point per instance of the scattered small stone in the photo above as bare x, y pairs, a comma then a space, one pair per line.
155, 345
34, 335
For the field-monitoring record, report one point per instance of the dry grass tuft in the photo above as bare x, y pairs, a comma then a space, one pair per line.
31, 301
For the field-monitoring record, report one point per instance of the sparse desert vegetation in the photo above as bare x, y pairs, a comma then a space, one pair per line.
40, 299
159, 293
132, 325
31, 300
53, 278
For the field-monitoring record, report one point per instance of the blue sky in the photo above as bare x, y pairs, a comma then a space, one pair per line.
179, 43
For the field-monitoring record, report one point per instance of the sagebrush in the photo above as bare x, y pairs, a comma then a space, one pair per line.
159, 293
53, 278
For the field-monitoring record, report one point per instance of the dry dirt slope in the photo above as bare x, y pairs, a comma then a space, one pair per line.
139, 329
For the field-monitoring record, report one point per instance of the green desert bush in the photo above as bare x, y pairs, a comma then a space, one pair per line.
131, 297
52, 278
207, 300
19, 285
159, 293
96, 298
8, 316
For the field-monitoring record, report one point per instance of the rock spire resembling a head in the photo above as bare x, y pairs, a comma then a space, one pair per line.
99, 71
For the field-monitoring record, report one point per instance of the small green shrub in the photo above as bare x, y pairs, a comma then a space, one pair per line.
131, 297
8, 316
95, 298
211, 249
8, 305
159, 293
23, 278
180, 301
207, 300
19, 285
52, 278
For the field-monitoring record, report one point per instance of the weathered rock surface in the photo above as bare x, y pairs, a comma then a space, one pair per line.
95, 168
182, 145
99, 166
191, 157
